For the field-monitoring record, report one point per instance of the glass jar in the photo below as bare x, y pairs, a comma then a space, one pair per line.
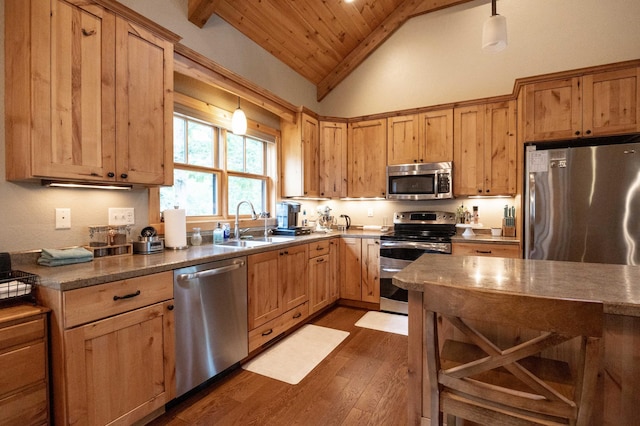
196, 237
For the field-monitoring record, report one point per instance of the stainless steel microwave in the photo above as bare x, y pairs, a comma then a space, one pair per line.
419, 181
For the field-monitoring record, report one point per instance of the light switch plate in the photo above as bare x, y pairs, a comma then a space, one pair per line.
63, 218
122, 216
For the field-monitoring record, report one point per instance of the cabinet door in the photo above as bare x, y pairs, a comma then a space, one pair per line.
553, 110
300, 157
370, 270
333, 159
500, 156
319, 275
334, 269
265, 298
311, 156
73, 121
116, 368
350, 270
468, 151
367, 159
611, 102
402, 140
292, 276
144, 106
436, 136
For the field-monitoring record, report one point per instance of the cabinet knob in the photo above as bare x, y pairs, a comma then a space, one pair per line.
124, 175
170, 307
111, 174
488, 191
577, 132
588, 132
479, 191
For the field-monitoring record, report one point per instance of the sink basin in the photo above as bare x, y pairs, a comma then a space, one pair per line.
245, 243
276, 239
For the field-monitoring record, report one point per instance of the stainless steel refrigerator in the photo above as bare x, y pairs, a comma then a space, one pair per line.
582, 203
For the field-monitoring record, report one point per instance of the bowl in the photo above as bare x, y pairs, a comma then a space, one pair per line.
496, 232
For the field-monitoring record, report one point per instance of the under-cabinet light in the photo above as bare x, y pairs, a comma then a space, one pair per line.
62, 184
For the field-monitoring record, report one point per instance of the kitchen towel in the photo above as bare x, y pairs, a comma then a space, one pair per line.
59, 257
175, 228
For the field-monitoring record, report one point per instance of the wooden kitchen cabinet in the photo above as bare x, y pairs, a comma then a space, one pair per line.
485, 152
367, 147
278, 290
24, 365
323, 274
300, 157
360, 269
333, 159
113, 350
595, 104
421, 138
91, 94
486, 249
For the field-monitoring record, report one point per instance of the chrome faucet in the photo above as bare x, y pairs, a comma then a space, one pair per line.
236, 231
265, 216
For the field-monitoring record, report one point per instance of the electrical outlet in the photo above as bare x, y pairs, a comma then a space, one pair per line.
121, 216
63, 218
369, 212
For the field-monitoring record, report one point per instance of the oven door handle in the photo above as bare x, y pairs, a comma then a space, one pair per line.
391, 269
409, 245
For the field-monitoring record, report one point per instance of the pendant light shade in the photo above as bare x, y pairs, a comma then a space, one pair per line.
239, 121
494, 31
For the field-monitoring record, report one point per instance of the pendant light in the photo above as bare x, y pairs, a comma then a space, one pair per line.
239, 121
494, 31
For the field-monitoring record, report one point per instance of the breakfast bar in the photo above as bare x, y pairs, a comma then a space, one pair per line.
616, 287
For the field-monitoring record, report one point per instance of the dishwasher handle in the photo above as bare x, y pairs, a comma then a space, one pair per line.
210, 272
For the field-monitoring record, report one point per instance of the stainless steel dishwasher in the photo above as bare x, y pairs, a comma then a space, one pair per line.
211, 320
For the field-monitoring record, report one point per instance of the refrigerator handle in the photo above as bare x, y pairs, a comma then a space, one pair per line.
530, 210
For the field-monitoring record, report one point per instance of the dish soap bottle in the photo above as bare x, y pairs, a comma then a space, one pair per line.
218, 235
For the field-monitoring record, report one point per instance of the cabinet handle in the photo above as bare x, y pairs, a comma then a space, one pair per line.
111, 174
127, 296
577, 132
124, 175
170, 307
588, 132
320, 260
297, 315
268, 332
88, 33
483, 251
488, 190
319, 248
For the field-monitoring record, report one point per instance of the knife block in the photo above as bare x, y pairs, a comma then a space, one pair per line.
508, 231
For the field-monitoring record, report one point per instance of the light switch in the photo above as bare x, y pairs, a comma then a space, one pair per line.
63, 218
121, 216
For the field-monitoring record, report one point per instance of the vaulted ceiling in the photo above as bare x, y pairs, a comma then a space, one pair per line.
322, 40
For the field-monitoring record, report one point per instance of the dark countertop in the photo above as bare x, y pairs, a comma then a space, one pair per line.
617, 286
106, 269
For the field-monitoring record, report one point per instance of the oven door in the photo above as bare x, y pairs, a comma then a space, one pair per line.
394, 257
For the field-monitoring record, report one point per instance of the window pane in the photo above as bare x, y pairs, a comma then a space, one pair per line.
241, 189
255, 157
194, 191
235, 153
200, 144
179, 139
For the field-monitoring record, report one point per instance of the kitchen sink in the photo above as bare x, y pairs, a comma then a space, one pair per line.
245, 243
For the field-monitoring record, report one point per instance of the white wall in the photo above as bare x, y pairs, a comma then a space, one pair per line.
432, 59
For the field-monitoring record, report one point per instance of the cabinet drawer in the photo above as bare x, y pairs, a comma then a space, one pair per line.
22, 367
101, 301
490, 249
268, 331
21, 333
27, 407
318, 248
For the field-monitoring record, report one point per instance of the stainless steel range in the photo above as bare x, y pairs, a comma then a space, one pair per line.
414, 233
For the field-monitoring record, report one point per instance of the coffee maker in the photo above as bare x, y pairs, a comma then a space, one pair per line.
287, 217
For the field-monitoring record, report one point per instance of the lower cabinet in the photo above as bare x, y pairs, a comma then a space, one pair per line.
360, 269
323, 274
117, 350
486, 249
24, 372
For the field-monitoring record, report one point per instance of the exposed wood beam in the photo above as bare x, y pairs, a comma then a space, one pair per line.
406, 10
193, 64
201, 10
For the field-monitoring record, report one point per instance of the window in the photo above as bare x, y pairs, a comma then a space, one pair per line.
214, 170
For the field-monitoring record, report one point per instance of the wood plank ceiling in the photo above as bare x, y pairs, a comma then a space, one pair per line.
322, 40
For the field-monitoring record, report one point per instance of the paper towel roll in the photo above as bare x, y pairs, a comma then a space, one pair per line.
175, 228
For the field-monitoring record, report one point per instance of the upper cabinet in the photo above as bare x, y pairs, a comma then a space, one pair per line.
603, 103
300, 157
333, 159
485, 149
367, 143
420, 138
101, 101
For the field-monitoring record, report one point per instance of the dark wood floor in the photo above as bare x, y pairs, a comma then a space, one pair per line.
362, 382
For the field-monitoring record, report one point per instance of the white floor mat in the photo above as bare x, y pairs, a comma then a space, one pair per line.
391, 323
293, 358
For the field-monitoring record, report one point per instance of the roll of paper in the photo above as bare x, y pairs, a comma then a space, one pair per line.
175, 228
